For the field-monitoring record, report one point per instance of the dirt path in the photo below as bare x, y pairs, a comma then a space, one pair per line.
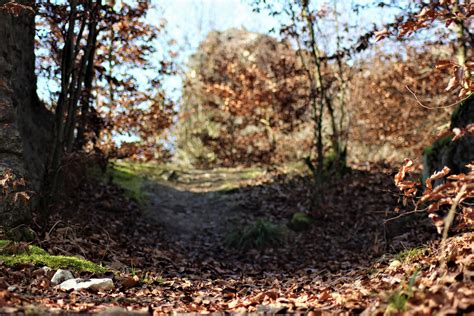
197, 208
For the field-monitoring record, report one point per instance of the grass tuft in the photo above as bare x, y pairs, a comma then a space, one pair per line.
129, 179
400, 297
258, 235
300, 221
410, 254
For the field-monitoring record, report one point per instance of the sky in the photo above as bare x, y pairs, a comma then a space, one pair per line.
189, 21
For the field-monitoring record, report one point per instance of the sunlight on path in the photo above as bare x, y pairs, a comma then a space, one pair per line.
194, 207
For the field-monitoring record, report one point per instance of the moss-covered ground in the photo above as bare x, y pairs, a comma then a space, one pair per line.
12, 254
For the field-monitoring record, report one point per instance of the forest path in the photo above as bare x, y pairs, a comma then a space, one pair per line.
197, 208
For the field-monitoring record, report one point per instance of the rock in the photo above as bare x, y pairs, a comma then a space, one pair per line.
395, 264
61, 275
271, 309
94, 284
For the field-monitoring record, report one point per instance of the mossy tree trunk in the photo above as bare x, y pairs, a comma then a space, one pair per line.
455, 155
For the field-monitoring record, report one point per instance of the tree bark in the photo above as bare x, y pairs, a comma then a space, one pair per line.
24, 121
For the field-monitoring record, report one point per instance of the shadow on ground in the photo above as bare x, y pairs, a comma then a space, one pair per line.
196, 211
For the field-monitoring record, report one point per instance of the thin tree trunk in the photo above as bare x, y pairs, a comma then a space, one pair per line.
461, 49
67, 66
87, 63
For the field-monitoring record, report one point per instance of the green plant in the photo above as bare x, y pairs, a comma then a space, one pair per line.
399, 299
133, 271
259, 235
300, 221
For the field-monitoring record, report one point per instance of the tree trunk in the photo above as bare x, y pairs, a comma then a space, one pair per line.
24, 121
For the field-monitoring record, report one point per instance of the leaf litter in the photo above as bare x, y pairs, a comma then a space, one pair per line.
345, 262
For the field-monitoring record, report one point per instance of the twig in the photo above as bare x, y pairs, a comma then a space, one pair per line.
107, 248
403, 215
53, 227
449, 219
435, 107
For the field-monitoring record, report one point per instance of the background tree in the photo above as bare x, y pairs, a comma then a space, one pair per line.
386, 122
324, 52
243, 100
121, 93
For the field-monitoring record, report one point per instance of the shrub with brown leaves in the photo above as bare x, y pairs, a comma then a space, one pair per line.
453, 192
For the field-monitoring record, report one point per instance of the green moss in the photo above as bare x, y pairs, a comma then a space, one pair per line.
335, 165
300, 221
443, 141
129, 180
20, 233
259, 235
38, 256
439, 145
428, 150
456, 111
130, 176
410, 254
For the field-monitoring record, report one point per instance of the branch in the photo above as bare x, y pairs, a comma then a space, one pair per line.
435, 107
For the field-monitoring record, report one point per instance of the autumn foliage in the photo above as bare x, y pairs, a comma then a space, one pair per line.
251, 94
387, 122
441, 193
14, 196
120, 83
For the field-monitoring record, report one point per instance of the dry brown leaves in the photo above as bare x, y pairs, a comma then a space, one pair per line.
13, 191
454, 191
438, 288
336, 266
16, 9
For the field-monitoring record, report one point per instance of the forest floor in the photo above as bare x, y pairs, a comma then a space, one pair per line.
178, 254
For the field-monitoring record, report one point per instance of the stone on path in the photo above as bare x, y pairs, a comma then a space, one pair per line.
61, 275
94, 284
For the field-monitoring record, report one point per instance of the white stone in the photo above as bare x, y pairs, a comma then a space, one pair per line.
61, 275
46, 269
94, 284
